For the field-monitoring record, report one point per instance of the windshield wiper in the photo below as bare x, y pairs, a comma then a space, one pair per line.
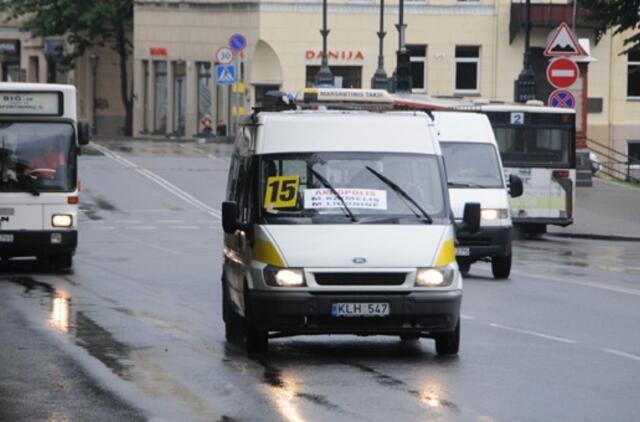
328, 185
397, 189
464, 185
29, 184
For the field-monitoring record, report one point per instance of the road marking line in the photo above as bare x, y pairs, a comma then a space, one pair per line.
206, 221
103, 227
534, 333
183, 227
142, 228
168, 186
128, 221
169, 221
623, 354
199, 151
469, 317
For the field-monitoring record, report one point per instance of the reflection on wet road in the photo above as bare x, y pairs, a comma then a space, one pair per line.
140, 312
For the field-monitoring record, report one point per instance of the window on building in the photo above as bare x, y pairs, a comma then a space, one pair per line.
467, 69
418, 57
633, 73
633, 151
344, 76
261, 91
179, 97
205, 100
160, 97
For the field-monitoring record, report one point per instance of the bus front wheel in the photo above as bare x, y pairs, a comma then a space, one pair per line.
501, 266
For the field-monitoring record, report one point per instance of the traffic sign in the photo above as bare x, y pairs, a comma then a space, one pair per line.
562, 72
562, 98
225, 74
237, 42
224, 55
563, 43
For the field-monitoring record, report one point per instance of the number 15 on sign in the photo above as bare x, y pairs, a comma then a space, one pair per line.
282, 192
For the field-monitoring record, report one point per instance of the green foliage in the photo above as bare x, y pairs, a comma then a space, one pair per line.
620, 15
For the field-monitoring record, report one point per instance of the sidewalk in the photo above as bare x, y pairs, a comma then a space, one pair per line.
605, 210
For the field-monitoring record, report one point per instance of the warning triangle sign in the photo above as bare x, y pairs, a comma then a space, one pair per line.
563, 43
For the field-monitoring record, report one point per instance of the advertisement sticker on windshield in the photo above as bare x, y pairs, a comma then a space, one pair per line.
282, 192
372, 199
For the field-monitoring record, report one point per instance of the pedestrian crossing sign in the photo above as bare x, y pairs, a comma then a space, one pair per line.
225, 74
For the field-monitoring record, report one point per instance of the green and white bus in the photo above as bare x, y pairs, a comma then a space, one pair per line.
40, 139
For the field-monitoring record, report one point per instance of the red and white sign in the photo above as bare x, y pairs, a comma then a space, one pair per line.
563, 43
158, 51
336, 55
562, 73
224, 55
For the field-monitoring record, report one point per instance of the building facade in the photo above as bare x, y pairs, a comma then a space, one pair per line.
458, 48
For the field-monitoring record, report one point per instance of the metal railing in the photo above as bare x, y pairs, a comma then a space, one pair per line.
617, 165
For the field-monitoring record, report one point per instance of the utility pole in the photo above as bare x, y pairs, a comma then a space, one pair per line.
380, 80
525, 85
324, 77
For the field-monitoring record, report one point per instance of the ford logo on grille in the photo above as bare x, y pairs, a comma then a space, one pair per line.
359, 260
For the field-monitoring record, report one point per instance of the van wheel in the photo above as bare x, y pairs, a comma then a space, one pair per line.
447, 344
464, 267
60, 261
233, 323
256, 336
501, 266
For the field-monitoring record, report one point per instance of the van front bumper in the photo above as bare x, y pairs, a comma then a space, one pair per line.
489, 241
293, 313
32, 243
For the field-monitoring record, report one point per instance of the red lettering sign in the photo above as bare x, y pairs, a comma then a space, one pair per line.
158, 51
335, 54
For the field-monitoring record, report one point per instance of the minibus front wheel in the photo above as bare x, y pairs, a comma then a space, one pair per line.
256, 335
447, 344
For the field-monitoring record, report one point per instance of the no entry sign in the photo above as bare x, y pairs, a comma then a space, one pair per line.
562, 73
562, 98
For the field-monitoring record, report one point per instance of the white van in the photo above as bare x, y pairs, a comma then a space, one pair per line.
339, 223
475, 174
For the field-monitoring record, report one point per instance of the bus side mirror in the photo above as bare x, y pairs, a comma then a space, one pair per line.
515, 186
229, 217
84, 133
471, 218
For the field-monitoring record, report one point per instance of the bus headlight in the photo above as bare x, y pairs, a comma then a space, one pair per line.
494, 213
434, 277
284, 277
62, 220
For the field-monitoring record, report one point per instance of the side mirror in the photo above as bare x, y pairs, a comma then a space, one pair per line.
84, 133
515, 186
229, 217
471, 217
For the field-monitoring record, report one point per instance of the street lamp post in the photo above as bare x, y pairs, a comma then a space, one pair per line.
380, 80
93, 62
402, 76
324, 77
525, 88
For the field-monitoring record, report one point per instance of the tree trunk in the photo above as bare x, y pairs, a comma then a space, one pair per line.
126, 95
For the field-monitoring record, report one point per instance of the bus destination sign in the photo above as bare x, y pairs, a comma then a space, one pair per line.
30, 103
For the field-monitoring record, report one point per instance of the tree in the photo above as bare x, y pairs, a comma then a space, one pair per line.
620, 15
84, 24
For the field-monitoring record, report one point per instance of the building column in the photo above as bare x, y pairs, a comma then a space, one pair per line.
138, 100
191, 107
170, 83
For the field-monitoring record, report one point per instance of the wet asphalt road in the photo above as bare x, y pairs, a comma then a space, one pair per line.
134, 331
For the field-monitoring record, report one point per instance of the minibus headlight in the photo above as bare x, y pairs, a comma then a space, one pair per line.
494, 213
284, 277
62, 220
435, 277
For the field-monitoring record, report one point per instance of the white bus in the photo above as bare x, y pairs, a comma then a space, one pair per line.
536, 143
39, 143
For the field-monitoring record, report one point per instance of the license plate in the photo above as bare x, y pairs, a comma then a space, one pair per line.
359, 309
462, 251
6, 238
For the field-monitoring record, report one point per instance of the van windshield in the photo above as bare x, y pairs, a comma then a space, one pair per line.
36, 157
347, 187
471, 165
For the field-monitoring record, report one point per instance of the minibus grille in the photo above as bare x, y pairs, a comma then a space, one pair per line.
360, 279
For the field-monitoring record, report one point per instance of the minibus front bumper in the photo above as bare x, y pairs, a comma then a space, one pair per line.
291, 313
33, 243
487, 242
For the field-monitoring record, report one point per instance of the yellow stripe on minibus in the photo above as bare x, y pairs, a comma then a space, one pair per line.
447, 253
264, 251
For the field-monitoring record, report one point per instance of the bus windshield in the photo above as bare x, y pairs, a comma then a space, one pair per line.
36, 157
471, 165
385, 188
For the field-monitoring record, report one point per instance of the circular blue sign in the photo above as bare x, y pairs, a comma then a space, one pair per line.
562, 98
237, 42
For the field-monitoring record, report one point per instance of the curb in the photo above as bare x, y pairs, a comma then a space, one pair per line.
610, 237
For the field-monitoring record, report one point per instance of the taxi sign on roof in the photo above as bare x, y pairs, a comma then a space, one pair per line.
346, 95
23, 103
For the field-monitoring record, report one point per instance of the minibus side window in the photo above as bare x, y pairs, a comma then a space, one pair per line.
244, 187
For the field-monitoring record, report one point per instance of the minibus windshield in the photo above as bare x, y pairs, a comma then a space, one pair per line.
36, 157
471, 165
294, 188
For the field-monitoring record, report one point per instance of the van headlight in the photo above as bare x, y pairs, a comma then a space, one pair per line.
435, 277
62, 220
494, 213
284, 277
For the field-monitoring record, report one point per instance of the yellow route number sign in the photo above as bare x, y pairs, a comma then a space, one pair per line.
282, 192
